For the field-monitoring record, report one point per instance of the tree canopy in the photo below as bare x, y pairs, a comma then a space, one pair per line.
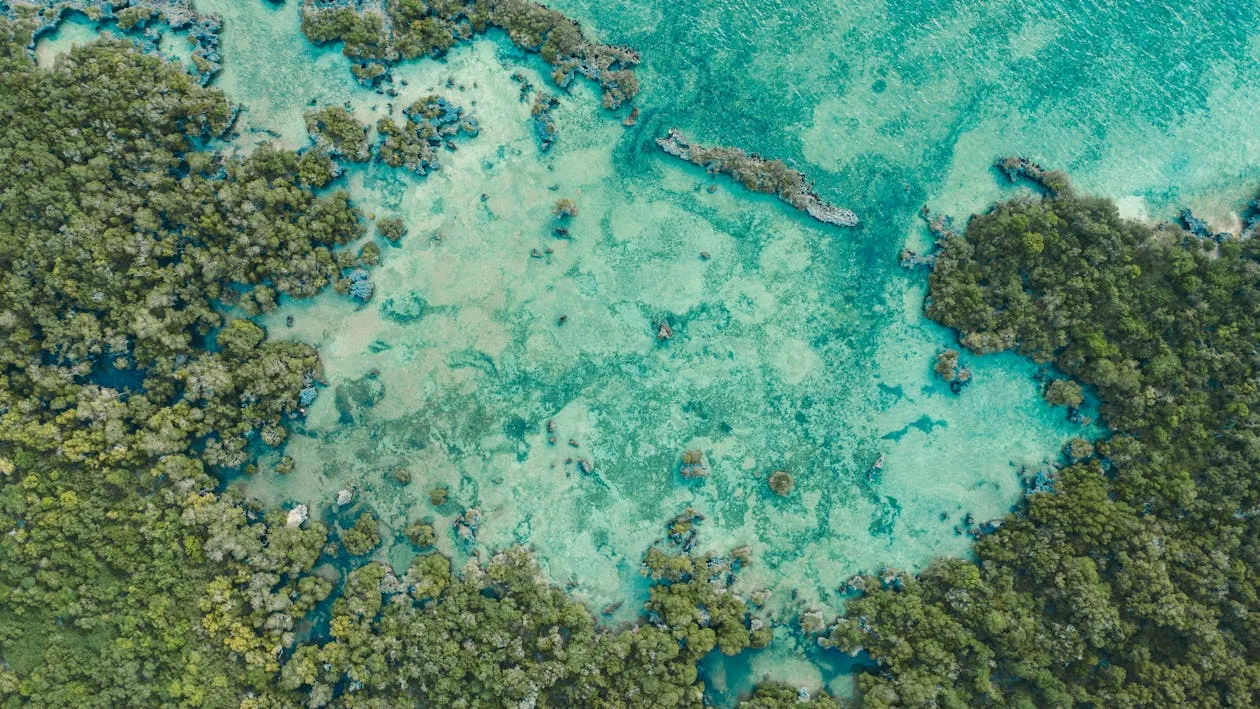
1132, 582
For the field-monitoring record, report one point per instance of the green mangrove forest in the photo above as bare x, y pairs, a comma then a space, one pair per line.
135, 253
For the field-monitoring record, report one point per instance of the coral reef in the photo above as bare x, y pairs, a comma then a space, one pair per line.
437, 496
466, 525
683, 528
911, 259
565, 207
544, 127
1015, 167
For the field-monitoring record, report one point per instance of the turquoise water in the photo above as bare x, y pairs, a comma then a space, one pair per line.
797, 347
75, 29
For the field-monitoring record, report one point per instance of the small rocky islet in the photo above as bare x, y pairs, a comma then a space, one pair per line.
759, 174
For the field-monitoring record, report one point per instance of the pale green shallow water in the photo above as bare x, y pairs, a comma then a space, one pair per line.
798, 347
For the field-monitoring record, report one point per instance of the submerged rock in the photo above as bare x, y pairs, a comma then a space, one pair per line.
693, 464
1199, 228
545, 129
759, 175
375, 36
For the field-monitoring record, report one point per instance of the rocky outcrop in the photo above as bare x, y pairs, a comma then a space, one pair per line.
759, 175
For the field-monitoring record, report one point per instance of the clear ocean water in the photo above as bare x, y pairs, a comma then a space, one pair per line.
797, 346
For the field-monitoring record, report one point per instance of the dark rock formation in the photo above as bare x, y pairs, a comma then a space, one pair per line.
759, 175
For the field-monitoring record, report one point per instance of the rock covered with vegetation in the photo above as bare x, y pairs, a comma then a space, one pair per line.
337, 132
949, 370
774, 695
363, 536
499, 635
759, 175
429, 124
379, 33
1064, 392
139, 19
1129, 580
781, 483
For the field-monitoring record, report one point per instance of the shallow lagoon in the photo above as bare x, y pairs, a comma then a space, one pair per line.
797, 347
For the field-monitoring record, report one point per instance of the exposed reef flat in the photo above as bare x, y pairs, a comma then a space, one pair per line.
141, 20
759, 175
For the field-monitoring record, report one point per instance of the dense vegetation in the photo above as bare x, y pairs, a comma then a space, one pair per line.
379, 34
126, 388
428, 124
120, 244
1131, 579
336, 131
